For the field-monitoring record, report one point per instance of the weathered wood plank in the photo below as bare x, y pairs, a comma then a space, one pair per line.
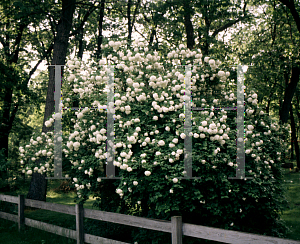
8, 198
100, 240
79, 224
8, 216
50, 206
151, 224
21, 218
51, 228
176, 222
230, 236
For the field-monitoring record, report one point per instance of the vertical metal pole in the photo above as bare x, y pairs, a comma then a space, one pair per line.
187, 124
240, 173
57, 125
110, 168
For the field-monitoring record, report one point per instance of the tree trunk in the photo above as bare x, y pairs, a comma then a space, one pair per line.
7, 114
38, 184
289, 93
189, 30
80, 43
100, 27
292, 148
153, 33
129, 22
294, 136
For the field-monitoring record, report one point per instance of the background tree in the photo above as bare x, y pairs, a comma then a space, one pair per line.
16, 17
38, 184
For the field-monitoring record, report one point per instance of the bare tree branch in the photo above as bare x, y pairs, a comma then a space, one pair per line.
86, 16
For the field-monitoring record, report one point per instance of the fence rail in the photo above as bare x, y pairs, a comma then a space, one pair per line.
175, 226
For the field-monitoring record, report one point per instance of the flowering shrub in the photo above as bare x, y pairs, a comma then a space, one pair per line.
149, 135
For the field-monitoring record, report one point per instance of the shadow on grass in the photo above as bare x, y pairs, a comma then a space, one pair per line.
10, 235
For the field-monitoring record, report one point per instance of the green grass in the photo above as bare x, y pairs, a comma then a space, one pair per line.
9, 231
292, 215
10, 235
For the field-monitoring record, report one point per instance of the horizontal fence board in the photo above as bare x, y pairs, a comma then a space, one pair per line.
230, 236
50, 206
100, 240
8, 216
151, 224
51, 228
8, 198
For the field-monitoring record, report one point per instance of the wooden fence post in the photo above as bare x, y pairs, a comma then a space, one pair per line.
21, 218
176, 222
79, 224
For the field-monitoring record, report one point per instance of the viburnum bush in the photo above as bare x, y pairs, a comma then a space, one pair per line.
149, 142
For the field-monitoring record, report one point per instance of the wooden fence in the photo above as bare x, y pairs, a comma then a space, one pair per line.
175, 226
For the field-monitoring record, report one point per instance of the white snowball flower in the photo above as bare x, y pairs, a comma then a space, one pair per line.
175, 140
80, 115
230, 164
211, 62
206, 59
171, 145
181, 77
147, 173
204, 123
48, 124
76, 144
202, 135
155, 118
250, 127
175, 180
29, 172
161, 143
171, 191
221, 73
183, 136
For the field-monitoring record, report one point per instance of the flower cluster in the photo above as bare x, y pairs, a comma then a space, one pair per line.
149, 118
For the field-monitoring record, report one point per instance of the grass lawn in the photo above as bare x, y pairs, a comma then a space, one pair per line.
292, 215
10, 235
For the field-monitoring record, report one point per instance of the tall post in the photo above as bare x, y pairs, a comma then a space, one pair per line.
176, 222
79, 224
21, 218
